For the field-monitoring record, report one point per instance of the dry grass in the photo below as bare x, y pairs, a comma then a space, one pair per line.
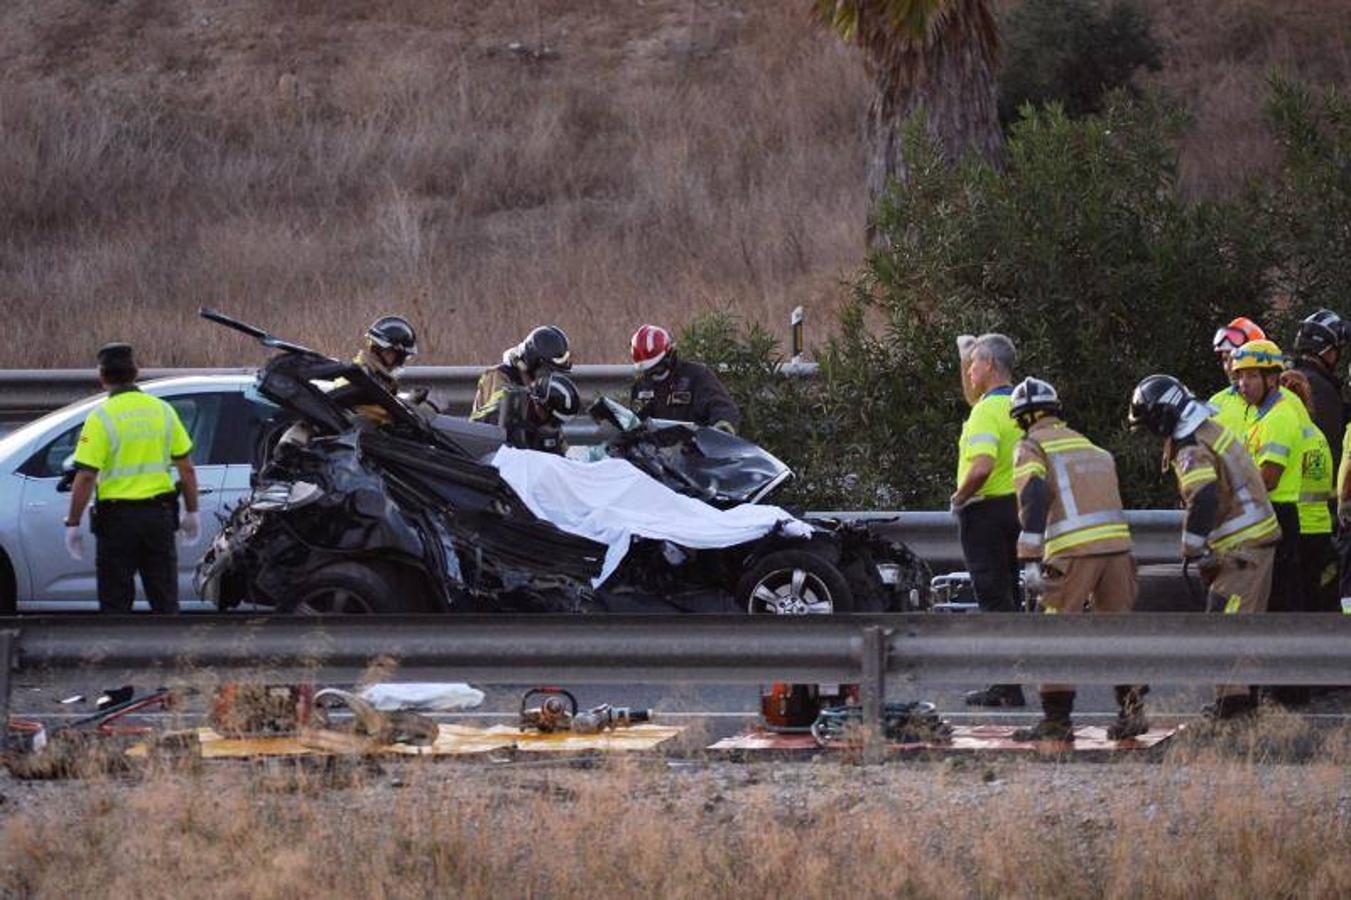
312, 163
1212, 820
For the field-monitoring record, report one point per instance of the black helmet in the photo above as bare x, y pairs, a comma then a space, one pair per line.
1158, 403
1323, 330
1032, 395
562, 397
393, 333
546, 346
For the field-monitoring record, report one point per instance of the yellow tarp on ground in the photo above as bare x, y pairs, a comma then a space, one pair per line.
452, 740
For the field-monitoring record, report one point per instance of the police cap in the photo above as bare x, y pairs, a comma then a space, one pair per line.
115, 354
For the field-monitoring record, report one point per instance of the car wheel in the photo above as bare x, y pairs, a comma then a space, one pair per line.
794, 583
350, 589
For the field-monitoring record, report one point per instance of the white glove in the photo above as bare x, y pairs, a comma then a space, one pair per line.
190, 526
75, 542
954, 507
1033, 582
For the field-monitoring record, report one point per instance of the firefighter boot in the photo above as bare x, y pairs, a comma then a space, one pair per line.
1055, 722
1130, 718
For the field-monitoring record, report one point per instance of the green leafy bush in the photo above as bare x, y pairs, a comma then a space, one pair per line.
1084, 250
1072, 52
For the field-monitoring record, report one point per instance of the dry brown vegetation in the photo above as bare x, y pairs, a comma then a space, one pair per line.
312, 163
1213, 819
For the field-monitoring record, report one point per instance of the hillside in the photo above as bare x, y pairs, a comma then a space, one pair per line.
482, 166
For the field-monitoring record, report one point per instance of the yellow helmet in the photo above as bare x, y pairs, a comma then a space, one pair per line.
1259, 354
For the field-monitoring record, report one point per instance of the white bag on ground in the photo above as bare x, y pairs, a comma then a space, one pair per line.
421, 696
612, 501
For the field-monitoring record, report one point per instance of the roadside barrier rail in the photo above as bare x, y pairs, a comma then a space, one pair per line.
29, 392
1180, 648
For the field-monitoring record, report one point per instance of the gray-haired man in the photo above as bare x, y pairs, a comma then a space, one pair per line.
984, 503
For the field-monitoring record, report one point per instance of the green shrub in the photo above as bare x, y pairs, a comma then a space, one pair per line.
1072, 52
1083, 249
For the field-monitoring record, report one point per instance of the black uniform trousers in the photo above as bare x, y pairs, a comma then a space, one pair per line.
988, 530
131, 540
1287, 589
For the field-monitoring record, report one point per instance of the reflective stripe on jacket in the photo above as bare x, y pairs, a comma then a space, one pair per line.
131, 440
1084, 515
1244, 516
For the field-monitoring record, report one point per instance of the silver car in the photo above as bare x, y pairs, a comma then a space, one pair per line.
224, 414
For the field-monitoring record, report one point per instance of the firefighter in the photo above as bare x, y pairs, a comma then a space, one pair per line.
126, 449
1233, 409
1230, 530
1317, 560
668, 387
986, 511
1275, 436
1320, 343
561, 399
1075, 545
390, 343
545, 350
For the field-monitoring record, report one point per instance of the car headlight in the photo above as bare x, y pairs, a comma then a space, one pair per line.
890, 573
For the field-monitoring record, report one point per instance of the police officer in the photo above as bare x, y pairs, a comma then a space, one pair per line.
1320, 343
1230, 529
1075, 545
126, 448
668, 387
987, 513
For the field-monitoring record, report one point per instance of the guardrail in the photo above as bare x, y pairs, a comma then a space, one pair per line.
1155, 533
31, 391
1183, 648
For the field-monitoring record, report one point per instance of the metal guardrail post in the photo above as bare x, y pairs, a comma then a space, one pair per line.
873, 689
8, 639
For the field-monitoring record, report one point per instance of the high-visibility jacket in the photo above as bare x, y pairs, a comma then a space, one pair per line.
1244, 516
1344, 466
989, 431
1083, 513
1233, 409
131, 440
1276, 435
1315, 485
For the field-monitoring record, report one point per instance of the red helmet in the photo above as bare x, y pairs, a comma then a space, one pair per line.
650, 345
1236, 334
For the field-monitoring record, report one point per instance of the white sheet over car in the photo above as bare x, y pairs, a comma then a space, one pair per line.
611, 502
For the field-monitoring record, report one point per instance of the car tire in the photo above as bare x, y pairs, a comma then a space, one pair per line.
352, 588
794, 582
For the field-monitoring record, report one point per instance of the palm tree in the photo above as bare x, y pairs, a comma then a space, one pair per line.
934, 55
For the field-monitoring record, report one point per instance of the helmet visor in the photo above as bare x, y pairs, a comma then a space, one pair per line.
1228, 339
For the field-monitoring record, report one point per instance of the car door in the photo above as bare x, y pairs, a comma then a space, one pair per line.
61, 582
245, 418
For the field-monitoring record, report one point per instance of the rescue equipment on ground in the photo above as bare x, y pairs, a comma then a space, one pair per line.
558, 711
792, 708
912, 722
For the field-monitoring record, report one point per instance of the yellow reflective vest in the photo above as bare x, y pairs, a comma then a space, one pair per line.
131, 440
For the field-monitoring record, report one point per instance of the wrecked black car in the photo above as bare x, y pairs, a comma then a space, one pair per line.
413, 516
